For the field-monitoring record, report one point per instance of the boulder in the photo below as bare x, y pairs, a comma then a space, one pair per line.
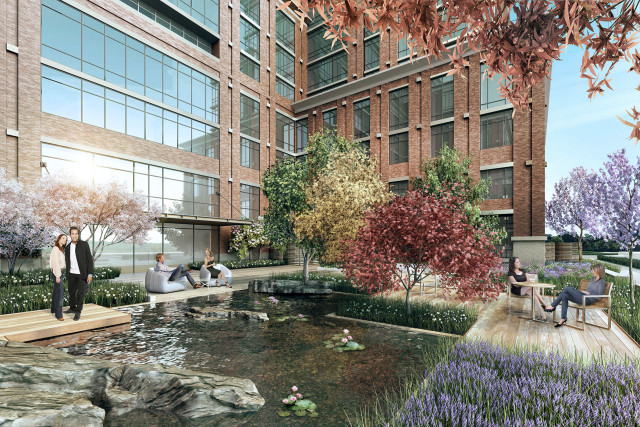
47, 386
271, 286
221, 313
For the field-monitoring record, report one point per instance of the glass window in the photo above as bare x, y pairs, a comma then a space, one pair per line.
249, 201
441, 97
440, 136
249, 67
489, 96
285, 64
249, 154
93, 109
285, 89
285, 30
501, 183
361, 119
251, 8
284, 132
249, 116
330, 119
399, 109
250, 38
61, 35
327, 71
371, 53
505, 249
62, 99
399, 148
496, 129
317, 45
403, 49
399, 187
302, 135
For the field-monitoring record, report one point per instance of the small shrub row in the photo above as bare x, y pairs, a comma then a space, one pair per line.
16, 299
242, 263
336, 281
607, 265
620, 260
599, 253
433, 317
42, 276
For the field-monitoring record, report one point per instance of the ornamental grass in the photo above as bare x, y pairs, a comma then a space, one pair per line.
483, 384
17, 299
424, 315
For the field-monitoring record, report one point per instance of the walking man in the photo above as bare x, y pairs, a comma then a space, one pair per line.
79, 262
174, 273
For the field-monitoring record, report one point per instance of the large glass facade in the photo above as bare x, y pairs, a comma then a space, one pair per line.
211, 21
77, 40
249, 201
441, 97
69, 96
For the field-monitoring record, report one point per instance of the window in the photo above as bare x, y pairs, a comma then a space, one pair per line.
489, 96
505, 249
501, 185
440, 136
496, 129
317, 45
330, 119
441, 98
74, 98
281, 155
251, 8
249, 67
371, 50
361, 119
403, 49
250, 48
399, 148
285, 65
108, 54
249, 117
204, 11
302, 135
285, 30
285, 89
249, 201
284, 132
249, 153
399, 187
327, 71
399, 109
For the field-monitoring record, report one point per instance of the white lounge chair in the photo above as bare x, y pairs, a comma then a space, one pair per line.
205, 275
159, 283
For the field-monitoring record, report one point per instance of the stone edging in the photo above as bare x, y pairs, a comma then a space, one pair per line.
403, 328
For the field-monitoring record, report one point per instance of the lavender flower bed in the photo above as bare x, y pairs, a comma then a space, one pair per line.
482, 384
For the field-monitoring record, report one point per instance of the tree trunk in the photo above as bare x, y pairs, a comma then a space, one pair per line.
580, 246
631, 284
407, 302
305, 267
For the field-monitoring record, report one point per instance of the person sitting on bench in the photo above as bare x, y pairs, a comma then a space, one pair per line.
174, 273
517, 276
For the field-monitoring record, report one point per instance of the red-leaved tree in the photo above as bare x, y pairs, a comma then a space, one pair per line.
417, 235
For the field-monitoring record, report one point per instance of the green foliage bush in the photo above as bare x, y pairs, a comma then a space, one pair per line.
42, 276
16, 299
433, 317
337, 281
243, 263
619, 260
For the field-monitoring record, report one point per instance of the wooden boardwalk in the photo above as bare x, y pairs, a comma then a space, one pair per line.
40, 324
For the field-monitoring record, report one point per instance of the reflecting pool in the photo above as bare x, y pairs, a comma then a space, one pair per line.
275, 355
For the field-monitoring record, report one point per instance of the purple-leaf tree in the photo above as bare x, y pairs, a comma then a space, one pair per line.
20, 231
616, 191
571, 208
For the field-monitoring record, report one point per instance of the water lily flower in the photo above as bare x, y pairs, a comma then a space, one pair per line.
349, 338
285, 401
344, 340
294, 388
346, 331
298, 395
301, 315
293, 398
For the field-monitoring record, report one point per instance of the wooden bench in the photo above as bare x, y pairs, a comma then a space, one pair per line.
603, 303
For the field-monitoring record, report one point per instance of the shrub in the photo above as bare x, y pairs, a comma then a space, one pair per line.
337, 282
242, 263
16, 299
433, 317
42, 276
619, 260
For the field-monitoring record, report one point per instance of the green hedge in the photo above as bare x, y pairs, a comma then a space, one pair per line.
242, 263
16, 299
42, 276
607, 265
599, 253
619, 260
424, 315
337, 282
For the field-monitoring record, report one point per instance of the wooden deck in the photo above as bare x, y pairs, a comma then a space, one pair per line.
36, 325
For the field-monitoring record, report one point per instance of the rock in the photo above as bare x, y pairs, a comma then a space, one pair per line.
47, 385
290, 287
226, 313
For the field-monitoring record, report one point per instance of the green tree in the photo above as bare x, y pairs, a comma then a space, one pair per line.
449, 173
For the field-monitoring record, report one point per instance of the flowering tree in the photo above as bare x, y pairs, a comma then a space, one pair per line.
416, 235
343, 191
518, 40
20, 231
247, 237
616, 191
571, 207
110, 212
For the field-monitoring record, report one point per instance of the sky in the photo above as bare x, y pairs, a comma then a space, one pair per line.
582, 132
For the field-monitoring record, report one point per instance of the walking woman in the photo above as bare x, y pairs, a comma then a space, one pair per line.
57, 264
209, 264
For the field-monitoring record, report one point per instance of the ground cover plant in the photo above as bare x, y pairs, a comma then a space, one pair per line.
336, 281
423, 315
16, 299
42, 276
478, 383
242, 263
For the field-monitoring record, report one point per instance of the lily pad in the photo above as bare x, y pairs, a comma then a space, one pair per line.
361, 347
339, 349
312, 406
313, 414
352, 344
284, 413
301, 413
303, 403
302, 319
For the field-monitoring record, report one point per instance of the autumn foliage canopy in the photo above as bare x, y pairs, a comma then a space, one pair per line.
418, 234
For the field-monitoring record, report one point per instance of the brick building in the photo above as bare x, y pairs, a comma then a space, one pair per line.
189, 101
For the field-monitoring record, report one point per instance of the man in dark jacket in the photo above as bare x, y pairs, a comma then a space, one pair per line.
79, 263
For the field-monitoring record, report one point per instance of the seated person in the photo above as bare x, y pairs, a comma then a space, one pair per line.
174, 273
596, 286
518, 275
209, 264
